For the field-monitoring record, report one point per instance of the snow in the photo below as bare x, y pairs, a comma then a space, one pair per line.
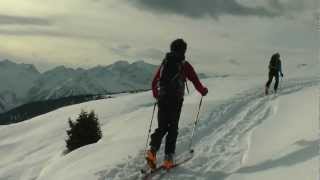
241, 135
63, 82
13, 87
118, 77
290, 151
10, 77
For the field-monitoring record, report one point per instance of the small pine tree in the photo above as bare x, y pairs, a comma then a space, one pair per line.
85, 130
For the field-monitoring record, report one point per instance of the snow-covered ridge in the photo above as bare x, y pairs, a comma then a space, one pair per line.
22, 83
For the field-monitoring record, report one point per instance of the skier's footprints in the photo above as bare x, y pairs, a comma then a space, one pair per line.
217, 137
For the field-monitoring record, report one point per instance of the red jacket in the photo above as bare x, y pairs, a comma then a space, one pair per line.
190, 74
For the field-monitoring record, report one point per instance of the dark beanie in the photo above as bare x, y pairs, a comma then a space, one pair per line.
178, 45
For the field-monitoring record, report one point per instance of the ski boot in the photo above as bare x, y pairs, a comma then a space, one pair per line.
151, 157
168, 162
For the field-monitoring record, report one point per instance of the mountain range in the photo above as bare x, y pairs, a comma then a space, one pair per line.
23, 83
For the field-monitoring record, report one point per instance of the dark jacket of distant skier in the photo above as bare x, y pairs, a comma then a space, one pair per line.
168, 87
275, 68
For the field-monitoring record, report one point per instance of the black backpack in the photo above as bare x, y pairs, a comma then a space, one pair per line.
172, 78
274, 64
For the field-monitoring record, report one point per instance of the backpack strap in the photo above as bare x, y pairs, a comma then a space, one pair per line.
184, 74
161, 67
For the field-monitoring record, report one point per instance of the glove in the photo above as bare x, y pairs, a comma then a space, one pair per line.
204, 91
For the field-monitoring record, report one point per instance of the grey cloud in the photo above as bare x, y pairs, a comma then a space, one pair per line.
126, 50
290, 6
121, 50
22, 20
234, 62
30, 33
151, 53
196, 9
35, 26
47, 33
124, 47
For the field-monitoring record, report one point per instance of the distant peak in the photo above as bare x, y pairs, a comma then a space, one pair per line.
31, 67
21, 66
121, 62
59, 69
119, 65
80, 69
6, 61
139, 62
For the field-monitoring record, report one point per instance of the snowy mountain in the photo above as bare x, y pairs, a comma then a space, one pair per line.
16, 80
22, 83
118, 77
242, 135
49, 84
8, 100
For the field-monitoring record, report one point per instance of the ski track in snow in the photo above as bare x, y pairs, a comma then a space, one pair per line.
222, 136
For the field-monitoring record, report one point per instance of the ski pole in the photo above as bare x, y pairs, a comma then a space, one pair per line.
194, 126
150, 126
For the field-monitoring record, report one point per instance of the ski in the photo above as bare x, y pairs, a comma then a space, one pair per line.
148, 175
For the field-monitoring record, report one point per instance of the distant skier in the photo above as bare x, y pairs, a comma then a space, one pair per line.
168, 88
275, 68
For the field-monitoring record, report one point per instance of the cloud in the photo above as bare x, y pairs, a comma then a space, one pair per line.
46, 33
290, 6
197, 9
234, 62
121, 50
125, 50
14, 25
151, 54
23, 20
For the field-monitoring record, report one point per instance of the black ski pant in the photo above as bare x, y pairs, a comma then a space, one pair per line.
276, 76
169, 110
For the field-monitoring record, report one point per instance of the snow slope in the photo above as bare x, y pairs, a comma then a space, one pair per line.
236, 120
290, 149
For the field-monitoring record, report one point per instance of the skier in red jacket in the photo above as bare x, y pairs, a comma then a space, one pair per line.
168, 88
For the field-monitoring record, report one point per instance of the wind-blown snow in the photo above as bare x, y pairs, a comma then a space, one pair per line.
235, 121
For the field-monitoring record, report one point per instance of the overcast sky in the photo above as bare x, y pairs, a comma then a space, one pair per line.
86, 33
